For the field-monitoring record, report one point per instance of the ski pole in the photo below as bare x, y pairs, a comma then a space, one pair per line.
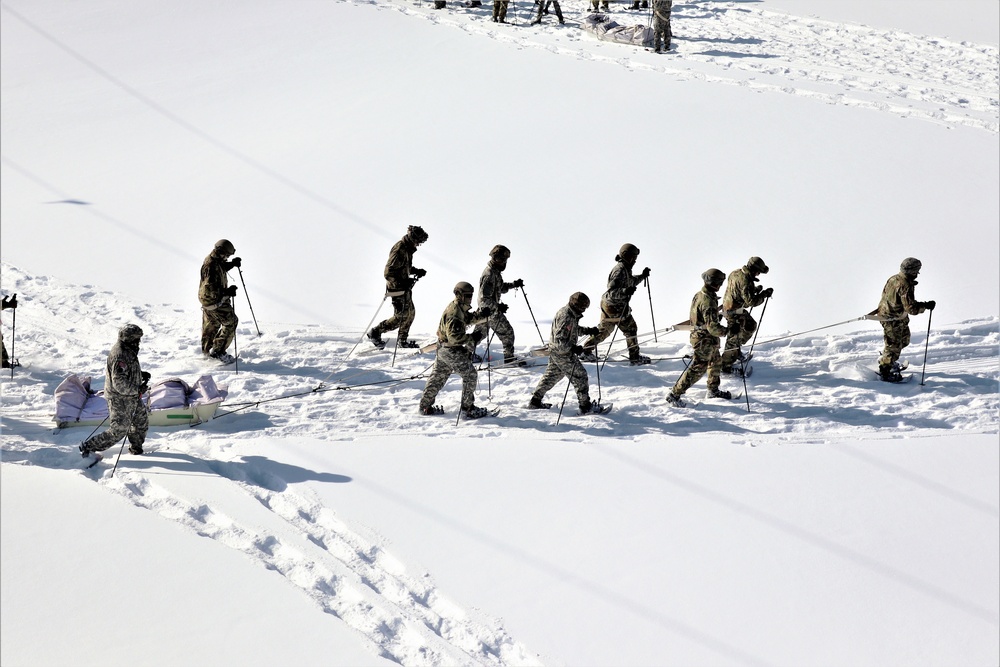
95, 428
926, 344
489, 365
360, 338
757, 331
248, 301
236, 347
563, 404
651, 316
746, 392
597, 365
613, 334
527, 303
13, 335
395, 347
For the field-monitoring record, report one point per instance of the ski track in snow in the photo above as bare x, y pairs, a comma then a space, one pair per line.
406, 620
914, 76
802, 387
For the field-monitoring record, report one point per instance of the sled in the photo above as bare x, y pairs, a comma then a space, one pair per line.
170, 402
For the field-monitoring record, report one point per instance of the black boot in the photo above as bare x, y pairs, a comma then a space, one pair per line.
536, 404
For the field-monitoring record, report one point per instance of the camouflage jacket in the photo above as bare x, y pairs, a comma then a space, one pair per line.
705, 314
741, 292
453, 328
491, 286
620, 282
898, 302
124, 375
214, 281
662, 8
399, 268
565, 330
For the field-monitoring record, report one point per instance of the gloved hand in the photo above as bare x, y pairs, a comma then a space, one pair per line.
236, 261
502, 307
577, 349
589, 331
231, 290
419, 273
929, 305
518, 283
146, 376
767, 293
10, 302
630, 291
476, 337
644, 274
483, 312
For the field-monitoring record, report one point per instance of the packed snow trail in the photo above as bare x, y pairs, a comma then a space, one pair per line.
908, 75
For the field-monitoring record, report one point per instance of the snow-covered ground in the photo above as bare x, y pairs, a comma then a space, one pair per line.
822, 518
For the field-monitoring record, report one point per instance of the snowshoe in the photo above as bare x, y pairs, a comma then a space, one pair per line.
376, 339
639, 360
893, 376
409, 344
223, 358
675, 401
595, 409
431, 410
84, 452
719, 393
739, 372
476, 412
135, 450
537, 404
588, 356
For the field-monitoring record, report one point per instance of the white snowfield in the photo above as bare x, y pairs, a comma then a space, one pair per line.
744, 44
309, 437
821, 517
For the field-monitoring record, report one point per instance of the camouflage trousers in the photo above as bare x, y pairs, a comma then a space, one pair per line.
897, 336
501, 327
612, 317
706, 358
661, 30
560, 366
500, 10
451, 360
218, 328
403, 314
543, 8
128, 417
741, 328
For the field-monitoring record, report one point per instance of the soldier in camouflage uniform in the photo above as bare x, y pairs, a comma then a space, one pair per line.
742, 295
218, 318
894, 310
491, 286
661, 25
124, 386
705, 336
454, 354
564, 354
615, 309
400, 276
